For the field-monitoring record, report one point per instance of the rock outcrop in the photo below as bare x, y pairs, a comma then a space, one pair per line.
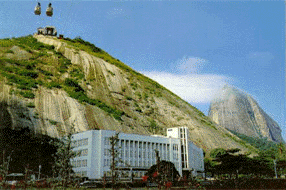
239, 112
72, 86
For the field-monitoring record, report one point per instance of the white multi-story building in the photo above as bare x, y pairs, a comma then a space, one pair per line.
192, 157
137, 152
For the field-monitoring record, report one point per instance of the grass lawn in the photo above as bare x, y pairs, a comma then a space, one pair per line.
137, 188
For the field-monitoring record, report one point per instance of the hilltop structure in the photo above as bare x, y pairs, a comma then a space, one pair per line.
48, 30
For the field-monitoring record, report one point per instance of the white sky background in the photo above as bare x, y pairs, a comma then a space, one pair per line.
189, 82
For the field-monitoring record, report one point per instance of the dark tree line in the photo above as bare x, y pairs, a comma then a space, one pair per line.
268, 163
261, 143
26, 151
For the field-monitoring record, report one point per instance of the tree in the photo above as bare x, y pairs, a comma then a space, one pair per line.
115, 159
26, 148
276, 157
63, 158
230, 162
162, 172
217, 152
209, 166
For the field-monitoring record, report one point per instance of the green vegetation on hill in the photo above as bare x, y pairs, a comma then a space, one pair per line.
152, 86
27, 74
261, 144
93, 50
45, 68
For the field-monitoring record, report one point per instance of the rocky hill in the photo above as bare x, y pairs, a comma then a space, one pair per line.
239, 112
55, 86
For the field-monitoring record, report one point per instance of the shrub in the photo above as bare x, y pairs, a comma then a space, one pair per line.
134, 86
21, 82
146, 96
138, 94
8, 51
6, 42
47, 73
77, 73
27, 94
24, 87
81, 97
128, 98
138, 109
53, 122
31, 105
28, 73
36, 116
53, 84
112, 73
63, 69
73, 83
50, 47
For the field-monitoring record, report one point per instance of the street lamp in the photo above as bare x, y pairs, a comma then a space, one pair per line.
39, 172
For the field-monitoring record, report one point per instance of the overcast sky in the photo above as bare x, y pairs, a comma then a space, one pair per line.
193, 48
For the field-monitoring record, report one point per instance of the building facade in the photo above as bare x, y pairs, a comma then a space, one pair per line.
192, 157
136, 152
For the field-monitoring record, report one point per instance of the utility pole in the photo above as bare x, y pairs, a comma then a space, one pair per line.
274, 161
39, 172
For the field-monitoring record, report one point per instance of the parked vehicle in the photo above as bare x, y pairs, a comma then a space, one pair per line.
89, 184
14, 178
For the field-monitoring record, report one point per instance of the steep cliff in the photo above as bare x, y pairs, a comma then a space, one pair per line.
54, 86
239, 112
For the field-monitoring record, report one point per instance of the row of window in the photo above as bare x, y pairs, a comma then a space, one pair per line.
79, 163
131, 144
80, 142
81, 173
183, 132
83, 152
106, 162
126, 174
139, 154
144, 152
133, 163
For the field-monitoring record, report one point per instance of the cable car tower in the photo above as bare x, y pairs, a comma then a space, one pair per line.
48, 30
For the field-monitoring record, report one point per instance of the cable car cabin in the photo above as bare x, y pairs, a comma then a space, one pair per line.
49, 11
38, 9
50, 31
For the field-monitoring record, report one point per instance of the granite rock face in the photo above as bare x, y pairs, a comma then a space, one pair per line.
148, 107
239, 112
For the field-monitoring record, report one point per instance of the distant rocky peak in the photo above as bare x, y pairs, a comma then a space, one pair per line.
228, 92
238, 111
